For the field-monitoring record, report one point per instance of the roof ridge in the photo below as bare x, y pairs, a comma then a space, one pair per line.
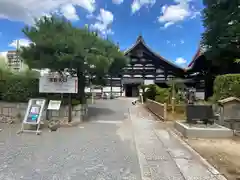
141, 40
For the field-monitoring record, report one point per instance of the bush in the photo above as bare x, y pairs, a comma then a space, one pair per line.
150, 91
19, 88
156, 93
226, 86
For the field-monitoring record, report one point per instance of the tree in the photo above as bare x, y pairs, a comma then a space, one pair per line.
222, 31
59, 46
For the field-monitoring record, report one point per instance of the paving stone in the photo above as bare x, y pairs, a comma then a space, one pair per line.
95, 152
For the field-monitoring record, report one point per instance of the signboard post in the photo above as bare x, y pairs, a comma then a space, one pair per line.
33, 115
56, 83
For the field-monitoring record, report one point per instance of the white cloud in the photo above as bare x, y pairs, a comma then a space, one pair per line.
182, 42
137, 4
27, 10
117, 1
181, 61
3, 54
172, 14
104, 22
69, 12
22, 42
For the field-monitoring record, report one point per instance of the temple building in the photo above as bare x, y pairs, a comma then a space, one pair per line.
148, 67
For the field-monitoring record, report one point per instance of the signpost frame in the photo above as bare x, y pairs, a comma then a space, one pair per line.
33, 115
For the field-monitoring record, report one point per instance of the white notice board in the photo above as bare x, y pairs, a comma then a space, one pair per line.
54, 105
68, 86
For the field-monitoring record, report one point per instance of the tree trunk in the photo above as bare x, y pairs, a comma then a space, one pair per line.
111, 86
81, 87
69, 107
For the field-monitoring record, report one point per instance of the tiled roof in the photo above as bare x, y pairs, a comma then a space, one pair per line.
141, 40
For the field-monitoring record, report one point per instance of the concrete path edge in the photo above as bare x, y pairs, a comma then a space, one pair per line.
212, 169
144, 169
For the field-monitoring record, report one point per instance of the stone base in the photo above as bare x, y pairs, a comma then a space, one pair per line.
189, 131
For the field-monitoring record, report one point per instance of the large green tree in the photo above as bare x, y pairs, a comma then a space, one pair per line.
58, 45
221, 38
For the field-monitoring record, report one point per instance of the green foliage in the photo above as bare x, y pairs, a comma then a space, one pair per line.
19, 88
156, 93
59, 46
151, 91
162, 95
3, 64
222, 30
237, 60
226, 86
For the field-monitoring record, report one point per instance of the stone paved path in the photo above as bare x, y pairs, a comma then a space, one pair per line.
101, 149
162, 156
111, 146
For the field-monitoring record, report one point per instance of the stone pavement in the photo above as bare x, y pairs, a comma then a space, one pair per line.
111, 146
162, 156
101, 149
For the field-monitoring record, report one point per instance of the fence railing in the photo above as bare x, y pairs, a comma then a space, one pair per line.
159, 109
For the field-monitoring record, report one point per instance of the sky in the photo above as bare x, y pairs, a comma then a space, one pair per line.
171, 28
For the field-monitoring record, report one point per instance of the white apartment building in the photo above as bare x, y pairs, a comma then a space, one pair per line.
14, 61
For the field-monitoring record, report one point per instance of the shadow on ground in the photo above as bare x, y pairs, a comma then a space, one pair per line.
97, 111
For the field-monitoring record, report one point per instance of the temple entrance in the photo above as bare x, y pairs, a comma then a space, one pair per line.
131, 90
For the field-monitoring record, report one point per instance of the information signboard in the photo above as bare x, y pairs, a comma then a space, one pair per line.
34, 111
33, 114
47, 85
54, 105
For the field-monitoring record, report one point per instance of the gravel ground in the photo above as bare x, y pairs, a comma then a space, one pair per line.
102, 148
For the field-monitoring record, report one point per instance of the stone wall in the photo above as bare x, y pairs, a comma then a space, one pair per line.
79, 113
16, 112
229, 115
157, 108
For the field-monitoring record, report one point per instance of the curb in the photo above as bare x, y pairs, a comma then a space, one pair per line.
210, 168
144, 169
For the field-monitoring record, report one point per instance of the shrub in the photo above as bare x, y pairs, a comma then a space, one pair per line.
162, 95
19, 88
226, 86
156, 93
151, 92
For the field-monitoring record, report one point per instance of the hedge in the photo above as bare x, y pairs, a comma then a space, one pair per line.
22, 87
156, 93
226, 86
